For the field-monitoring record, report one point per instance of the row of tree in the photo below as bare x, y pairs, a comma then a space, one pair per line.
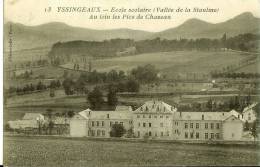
29, 88
235, 75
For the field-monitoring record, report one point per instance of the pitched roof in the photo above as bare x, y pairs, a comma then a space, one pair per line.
32, 116
123, 108
210, 116
155, 107
251, 106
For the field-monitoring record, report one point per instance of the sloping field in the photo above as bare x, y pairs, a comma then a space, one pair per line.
252, 68
171, 62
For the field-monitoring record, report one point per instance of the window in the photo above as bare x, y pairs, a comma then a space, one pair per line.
197, 125
122, 123
212, 135
186, 126
217, 136
186, 135
206, 125
161, 133
111, 123
167, 116
93, 132
150, 124
97, 123
161, 124
138, 116
139, 124
107, 115
176, 123
217, 125
138, 134
191, 125
212, 125
143, 124
98, 132
103, 123
191, 135
206, 136
161, 116
93, 123
197, 135
167, 133
103, 133
202, 117
150, 133
155, 116
150, 116
143, 116
116, 122
155, 134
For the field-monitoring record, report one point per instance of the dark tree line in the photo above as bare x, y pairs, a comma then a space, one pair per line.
29, 88
120, 81
60, 52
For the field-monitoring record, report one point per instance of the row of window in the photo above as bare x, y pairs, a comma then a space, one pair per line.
96, 133
150, 116
206, 126
148, 124
155, 134
102, 123
196, 135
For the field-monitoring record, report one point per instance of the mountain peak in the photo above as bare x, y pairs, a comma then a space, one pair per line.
245, 15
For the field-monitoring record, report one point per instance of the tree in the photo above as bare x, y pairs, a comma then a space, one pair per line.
70, 113
68, 86
253, 130
145, 74
95, 98
111, 98
132, 86
246, 126
117, 130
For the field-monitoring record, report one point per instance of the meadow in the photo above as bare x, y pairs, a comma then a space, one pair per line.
44, 151
171, 62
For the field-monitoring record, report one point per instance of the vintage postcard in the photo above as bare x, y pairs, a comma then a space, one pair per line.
131, 83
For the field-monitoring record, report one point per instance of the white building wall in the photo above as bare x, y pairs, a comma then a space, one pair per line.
232, 130
78, 128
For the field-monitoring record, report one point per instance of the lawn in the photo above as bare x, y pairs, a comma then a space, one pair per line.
39, 151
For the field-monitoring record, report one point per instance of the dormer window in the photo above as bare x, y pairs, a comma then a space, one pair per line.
141, 108
146, 109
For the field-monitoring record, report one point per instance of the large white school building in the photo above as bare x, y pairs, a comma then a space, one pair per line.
158, 120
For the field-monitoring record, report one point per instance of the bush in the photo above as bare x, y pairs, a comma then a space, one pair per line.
117, 130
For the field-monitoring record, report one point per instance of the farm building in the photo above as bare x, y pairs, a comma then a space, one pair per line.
30, 120
158, 120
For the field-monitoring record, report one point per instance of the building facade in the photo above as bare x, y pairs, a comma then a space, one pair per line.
158, 120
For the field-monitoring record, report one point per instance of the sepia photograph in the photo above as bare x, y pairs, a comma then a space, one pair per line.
116, 83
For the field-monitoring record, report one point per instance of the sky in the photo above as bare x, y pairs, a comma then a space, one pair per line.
32, 12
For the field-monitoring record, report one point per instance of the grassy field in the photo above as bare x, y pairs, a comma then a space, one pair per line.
35, 151
171, 62
252, 68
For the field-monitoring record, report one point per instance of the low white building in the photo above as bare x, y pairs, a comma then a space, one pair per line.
29, 120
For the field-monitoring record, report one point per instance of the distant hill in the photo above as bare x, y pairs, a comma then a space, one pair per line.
26, 37
195, 28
